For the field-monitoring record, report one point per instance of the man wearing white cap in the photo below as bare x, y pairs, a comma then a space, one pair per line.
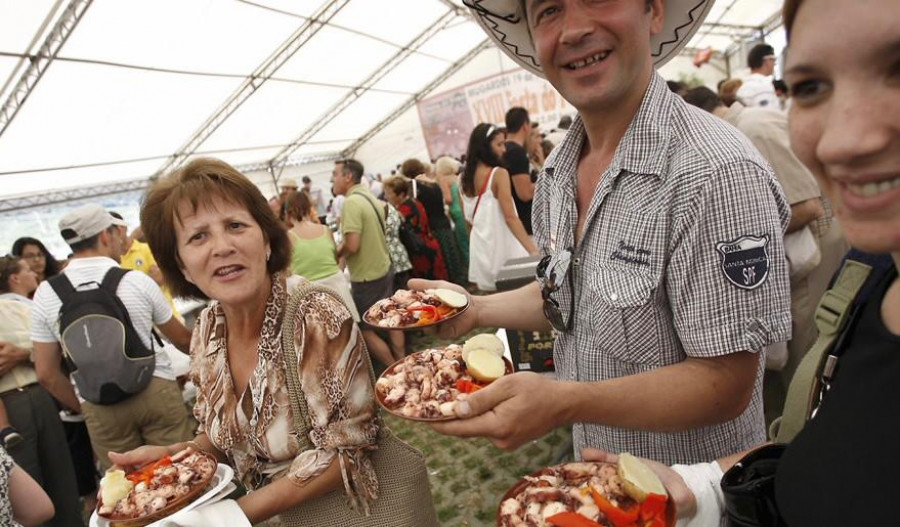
154, 415
661, 229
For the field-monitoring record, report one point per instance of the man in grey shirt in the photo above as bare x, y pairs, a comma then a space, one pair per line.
661, 229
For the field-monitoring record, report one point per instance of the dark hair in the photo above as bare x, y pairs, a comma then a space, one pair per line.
298, 205
199, 183
354, 167
565, 122
676, 87
703, 98
306, 179
516, 118
51, 264
479, 150
9, 265
412, 167
789, 14
88, 244
757, 53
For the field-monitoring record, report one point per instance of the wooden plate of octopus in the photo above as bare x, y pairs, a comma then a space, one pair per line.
587, 494
154, 491
426, 385
410, 309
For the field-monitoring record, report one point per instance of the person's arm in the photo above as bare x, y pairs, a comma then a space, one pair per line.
177, 334
11, 356
523, 185
350, 245
149, 453
491, 311
284, 494
30, 504
462, 206
804, 213
661, 400
446, 189
507, 205
47, 357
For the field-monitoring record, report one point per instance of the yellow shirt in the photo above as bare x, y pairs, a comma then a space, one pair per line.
140, 258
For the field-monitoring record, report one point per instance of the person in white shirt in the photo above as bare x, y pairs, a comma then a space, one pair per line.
31, 429
157, 414
758, 89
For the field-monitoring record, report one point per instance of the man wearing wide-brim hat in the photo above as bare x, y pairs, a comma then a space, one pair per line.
661, 229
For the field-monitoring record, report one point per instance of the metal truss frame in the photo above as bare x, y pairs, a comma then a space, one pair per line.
65, 196
39, 63
462, 61
281, 157
253, 82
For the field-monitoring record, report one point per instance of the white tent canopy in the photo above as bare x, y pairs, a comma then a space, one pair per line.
103, 91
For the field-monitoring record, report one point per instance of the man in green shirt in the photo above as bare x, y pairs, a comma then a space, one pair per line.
365, 248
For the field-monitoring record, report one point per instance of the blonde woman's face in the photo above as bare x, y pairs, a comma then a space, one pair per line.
845, 114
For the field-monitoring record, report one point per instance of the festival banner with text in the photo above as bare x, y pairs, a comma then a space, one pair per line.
448, 118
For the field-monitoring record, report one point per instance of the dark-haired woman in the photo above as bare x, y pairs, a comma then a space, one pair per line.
216, 238
497, 232
428, 263
426, 190
38, 257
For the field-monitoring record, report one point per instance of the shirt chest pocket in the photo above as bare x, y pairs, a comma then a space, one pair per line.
628, 316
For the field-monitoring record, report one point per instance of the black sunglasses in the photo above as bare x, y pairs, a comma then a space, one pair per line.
550, 272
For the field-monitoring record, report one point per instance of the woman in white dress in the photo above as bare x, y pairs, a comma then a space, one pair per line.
497, 232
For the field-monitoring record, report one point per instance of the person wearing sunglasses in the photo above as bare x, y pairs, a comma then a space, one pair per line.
661, 229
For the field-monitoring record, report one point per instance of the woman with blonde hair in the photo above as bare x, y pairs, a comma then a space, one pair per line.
446, 170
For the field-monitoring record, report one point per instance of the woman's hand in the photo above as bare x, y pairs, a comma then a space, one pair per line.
681, 496
140, 456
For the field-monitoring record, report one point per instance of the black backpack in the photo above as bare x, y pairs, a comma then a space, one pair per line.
107, 359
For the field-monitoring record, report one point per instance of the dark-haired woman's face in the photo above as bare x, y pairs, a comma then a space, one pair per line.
845, 114
223, 252
35, 257
498, 145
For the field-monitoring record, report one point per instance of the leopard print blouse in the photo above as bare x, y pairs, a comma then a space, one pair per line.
255, 429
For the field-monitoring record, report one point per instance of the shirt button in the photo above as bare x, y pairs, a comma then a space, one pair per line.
613, 296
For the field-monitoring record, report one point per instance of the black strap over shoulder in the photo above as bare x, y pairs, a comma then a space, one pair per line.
63, 287
112, 278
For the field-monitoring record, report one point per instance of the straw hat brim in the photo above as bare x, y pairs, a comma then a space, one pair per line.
505, 24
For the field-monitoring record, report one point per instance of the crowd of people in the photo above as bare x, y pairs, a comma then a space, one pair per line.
685, 238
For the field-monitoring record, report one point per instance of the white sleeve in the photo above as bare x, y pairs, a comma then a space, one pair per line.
41, 321
704, 481
162, 311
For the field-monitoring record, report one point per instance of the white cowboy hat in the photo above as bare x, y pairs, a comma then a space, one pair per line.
504, 21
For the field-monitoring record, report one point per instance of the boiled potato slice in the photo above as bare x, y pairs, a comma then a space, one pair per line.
485, 341
451, 298
113, 487
485, 365
638, 479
